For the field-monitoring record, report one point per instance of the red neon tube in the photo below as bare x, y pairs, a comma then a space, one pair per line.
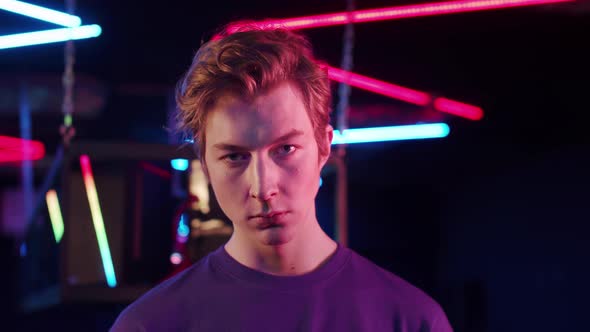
408, 95
16, 149
395, 13
380, 87
458, 108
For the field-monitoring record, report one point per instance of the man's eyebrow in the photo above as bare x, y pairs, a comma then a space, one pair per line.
292, 134
233, 147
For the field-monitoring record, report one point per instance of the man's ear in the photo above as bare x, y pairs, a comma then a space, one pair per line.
328, 136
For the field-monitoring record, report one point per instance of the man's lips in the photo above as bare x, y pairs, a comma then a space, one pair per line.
268, 220
268, 215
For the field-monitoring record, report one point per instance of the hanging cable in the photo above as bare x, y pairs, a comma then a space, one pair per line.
341, 227
67, 130
347, 64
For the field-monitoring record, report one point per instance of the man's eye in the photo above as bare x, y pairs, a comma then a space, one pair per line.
235, 157
286, 149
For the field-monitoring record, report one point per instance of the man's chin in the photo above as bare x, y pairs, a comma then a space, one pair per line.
275, 237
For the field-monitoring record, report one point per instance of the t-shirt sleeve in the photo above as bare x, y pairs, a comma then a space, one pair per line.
441, 323
126, 323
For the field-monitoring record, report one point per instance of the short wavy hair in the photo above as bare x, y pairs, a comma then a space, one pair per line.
245, 63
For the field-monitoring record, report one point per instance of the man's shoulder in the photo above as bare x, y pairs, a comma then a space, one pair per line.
164, 300
393, 289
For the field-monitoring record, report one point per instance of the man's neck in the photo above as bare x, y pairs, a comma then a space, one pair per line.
299, 256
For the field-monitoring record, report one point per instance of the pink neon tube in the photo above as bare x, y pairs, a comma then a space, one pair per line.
399, 12
408, 95
17, 149
380, 87
458, 108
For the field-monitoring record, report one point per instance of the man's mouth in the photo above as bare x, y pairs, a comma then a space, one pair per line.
269, 220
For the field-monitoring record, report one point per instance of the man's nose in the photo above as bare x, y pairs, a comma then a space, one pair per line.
263, 178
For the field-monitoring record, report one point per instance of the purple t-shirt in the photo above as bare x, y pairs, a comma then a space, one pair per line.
347, 293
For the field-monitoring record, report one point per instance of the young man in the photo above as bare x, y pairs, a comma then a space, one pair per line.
258, 105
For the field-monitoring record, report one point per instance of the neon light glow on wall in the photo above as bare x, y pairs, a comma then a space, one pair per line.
97, 220
57, 222
49, 36
40, 13
392, 133
398, 12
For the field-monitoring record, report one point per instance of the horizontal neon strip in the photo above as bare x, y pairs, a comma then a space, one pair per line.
57, 222
395, 13
380, 87
40, 13
11, 158
17, 149
405, 94
155, 170
393, 133
97, 220
49, 36
15, 143
457, 108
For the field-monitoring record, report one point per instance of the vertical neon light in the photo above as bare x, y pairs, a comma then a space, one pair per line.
101, 236
57, 222
183, 230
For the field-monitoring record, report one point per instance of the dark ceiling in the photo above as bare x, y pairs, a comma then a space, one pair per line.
526, 67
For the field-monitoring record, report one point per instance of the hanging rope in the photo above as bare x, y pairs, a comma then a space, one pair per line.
67, 130
344, 89
341, 227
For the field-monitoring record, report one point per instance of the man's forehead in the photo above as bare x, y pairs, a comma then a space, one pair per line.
275, 93
265, 119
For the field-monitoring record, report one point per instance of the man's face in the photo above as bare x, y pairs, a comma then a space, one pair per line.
262, 161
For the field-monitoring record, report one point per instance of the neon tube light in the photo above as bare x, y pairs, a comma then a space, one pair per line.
17, 149
179, 164
155, 170
49, 36
101, 236
41, 13
395, 13
380, 87
457, 108
57, 222
393, 133
183, 229
405, 94
8, 157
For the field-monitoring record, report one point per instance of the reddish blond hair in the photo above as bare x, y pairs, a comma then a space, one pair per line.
245, 64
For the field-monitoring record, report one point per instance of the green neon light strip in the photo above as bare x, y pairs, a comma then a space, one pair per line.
101, 235
57, 221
